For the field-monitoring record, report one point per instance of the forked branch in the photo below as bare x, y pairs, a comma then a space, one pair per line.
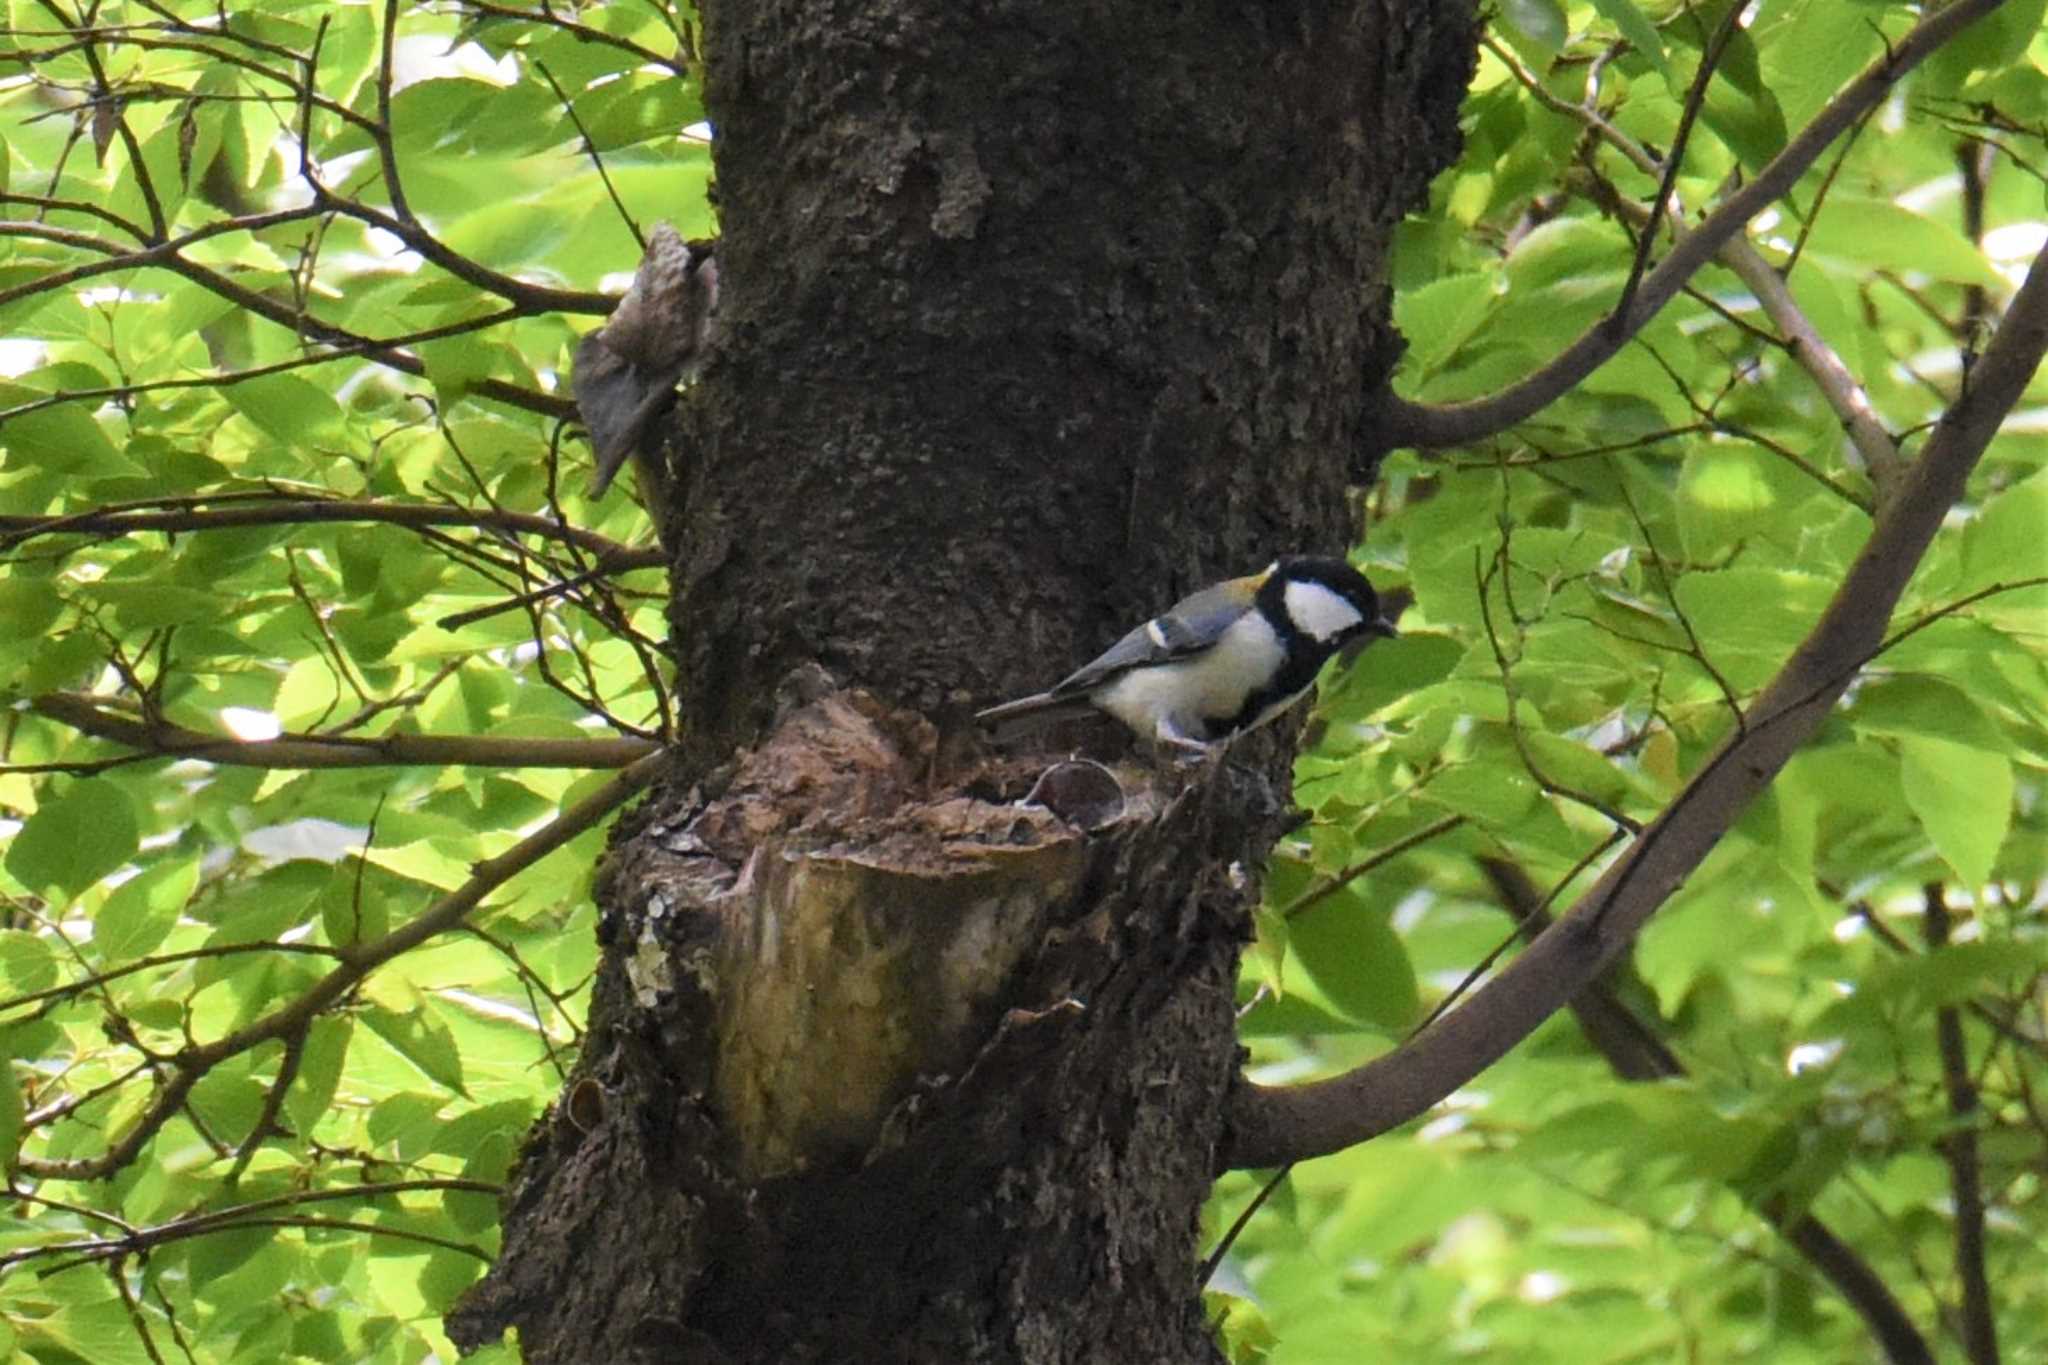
1268, 1126
1404, 423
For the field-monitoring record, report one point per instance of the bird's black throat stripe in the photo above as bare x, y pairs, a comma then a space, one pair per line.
1305, 658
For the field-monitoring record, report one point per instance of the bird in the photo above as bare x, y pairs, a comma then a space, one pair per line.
1218, 663
626, 371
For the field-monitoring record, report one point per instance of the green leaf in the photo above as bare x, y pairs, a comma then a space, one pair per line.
217, 1254
1385, 672
60, 440
317, 1336
446, 1274
2004, 543
322, 1062
1955, 974
29, 606
268, 906
354, 910
229, 1100
75, 837
1270, 943
140, 913
1540, 23
1810, 49
1486, 791
1245, 1335
1722, 492
1741, 109
1999, 39
421, 1039
27, 963
1575, 767
470, 1133
291, 410
1865, 235
640, 106
1293, 1016
63, 662
1963, 799
1356, 960
1626, 17
12, 1112
490, 1162
81, 1328
407, 1122
1573, 252
455, 364
153, 606
1757, 611
1916, 705
1441, 316
430, 112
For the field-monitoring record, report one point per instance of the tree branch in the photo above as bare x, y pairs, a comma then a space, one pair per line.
358, 961
1271, 1126
583, 33
1403, 423
1821, 362
166, 256
224, 379
287, 509
1959, 1146
97, 716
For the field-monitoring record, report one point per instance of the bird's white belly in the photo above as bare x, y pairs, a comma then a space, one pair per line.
1179, 697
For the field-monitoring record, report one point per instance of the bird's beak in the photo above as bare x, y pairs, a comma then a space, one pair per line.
1383, 628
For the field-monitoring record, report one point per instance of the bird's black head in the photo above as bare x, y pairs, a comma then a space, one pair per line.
1322, 600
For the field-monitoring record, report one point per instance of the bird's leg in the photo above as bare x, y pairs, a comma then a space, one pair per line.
1205, 757
1184, 749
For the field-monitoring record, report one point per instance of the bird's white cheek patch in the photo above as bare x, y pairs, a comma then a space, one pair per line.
1319, 613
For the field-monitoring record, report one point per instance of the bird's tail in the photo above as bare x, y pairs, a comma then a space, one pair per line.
1013, 718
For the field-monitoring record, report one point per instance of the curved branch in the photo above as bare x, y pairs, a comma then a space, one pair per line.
144, 964
1843, 392
1404, 423
139, 1239
1271, 1126
94, 716
1852, 1277
583, 33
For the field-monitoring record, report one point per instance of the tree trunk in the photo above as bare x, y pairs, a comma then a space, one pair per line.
1032, 318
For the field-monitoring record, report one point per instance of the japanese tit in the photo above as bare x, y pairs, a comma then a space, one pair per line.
1226, 660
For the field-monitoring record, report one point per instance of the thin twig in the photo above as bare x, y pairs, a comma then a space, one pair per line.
1405, 423
1695, 100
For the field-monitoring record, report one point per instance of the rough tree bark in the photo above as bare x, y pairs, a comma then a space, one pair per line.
1032, 317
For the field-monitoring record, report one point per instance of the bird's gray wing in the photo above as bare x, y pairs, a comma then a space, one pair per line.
617, 402
626, 371
1187, 628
